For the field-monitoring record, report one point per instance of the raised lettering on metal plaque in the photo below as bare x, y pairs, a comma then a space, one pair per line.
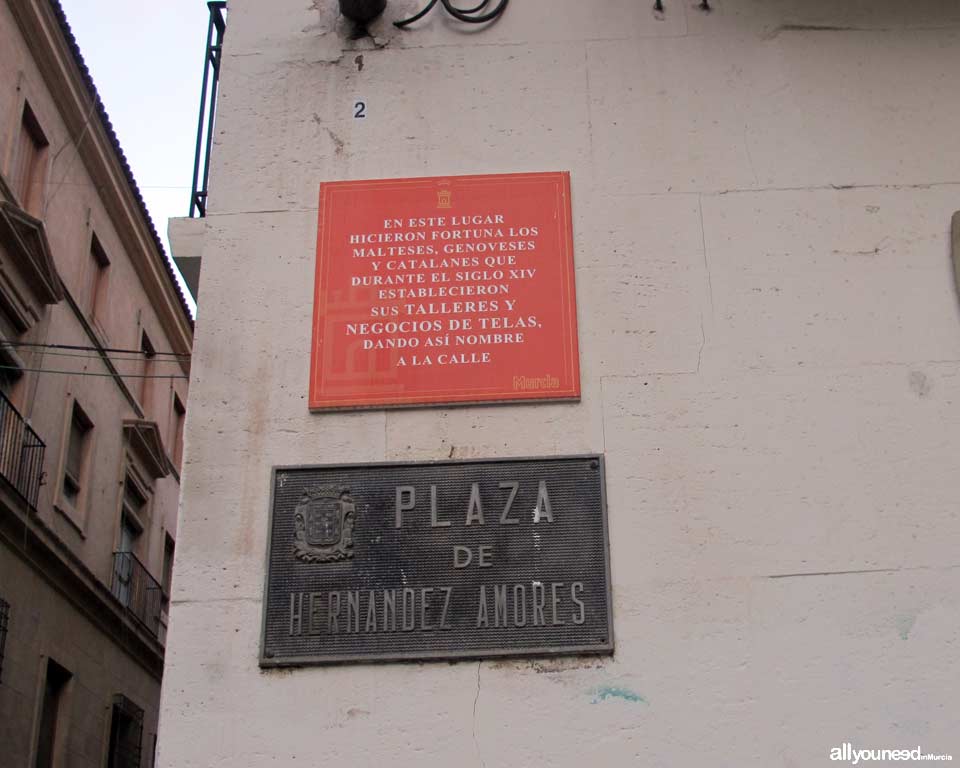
438, 560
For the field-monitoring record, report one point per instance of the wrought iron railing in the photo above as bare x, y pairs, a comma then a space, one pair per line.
137, 591
21, 453
208, 107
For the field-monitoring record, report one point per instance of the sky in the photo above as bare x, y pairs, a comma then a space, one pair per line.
147, 60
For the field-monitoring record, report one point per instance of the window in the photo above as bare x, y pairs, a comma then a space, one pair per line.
146, 348
131, 520
134, 501
168, 551
50, 736
129, 533
8, 379
133, 585
4, 622
179, 417
30, 163
126, 731
124, 564
77, 448
10, 372
99, 270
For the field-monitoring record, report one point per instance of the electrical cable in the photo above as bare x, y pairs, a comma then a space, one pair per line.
469, 15
83, 348
112, 359
475, 9
416, 16
86, 373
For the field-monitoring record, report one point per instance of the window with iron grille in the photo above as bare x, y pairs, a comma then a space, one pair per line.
4, 621
126, 732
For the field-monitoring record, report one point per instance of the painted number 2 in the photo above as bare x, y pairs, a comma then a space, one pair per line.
360, 110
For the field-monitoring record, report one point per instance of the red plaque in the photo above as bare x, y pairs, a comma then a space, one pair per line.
444, 290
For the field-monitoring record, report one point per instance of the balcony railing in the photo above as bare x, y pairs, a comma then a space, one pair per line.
137, 591
21, 453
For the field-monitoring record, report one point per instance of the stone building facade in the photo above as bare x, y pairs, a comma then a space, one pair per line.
95, 344
770, 363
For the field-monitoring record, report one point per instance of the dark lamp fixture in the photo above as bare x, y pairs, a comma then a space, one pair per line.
362, 11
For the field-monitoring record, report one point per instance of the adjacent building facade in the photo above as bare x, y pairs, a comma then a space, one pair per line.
769, 338
95, 344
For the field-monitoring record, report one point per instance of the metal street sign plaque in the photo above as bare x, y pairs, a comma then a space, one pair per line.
437, 560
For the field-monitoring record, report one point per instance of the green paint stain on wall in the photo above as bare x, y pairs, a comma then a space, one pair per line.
605, 692
904, 625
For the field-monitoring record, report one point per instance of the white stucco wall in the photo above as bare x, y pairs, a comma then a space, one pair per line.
770, 355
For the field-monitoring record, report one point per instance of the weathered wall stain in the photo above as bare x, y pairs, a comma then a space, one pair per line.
551, 666
920, 384
604, 692
905, 625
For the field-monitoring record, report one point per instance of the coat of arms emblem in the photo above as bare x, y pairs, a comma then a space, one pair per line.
323, 525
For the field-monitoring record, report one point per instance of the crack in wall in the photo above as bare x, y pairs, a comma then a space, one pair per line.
860, 571
476, 698
703, 343
706, 262
787, 370
746, 147
775, 32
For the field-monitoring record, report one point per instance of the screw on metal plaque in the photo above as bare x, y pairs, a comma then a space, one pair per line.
323, 525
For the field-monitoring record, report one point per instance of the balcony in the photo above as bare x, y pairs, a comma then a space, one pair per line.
21, 453
137, 591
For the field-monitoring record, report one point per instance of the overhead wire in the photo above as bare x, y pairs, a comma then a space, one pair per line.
82, 347
111, 358
90, 373
103, 354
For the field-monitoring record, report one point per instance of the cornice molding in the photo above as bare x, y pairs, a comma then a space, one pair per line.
146, 443
44, 28
26, 240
